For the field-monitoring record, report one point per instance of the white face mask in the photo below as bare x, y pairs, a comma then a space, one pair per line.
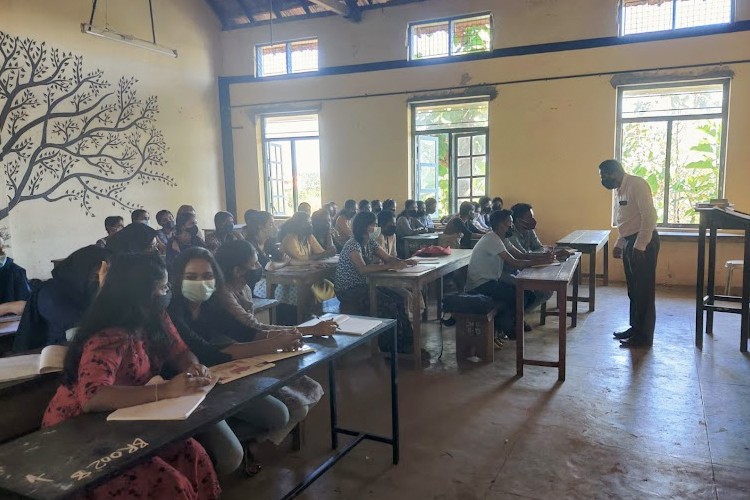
198, 291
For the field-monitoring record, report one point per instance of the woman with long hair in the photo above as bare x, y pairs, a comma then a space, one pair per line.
260, 232
124, 340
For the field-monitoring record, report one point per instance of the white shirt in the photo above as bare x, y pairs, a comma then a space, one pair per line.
485, 263
634, 211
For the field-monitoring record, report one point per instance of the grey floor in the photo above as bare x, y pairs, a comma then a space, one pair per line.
670, 422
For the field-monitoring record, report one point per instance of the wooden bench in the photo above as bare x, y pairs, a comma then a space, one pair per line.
475, 335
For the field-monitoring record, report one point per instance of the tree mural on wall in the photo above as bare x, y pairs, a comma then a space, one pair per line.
68, 134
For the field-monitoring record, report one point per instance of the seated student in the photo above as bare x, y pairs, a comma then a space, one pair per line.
165, 219
524, 224
376, 206
134, 238
13, 283
224, 231
407, 224
387, 238
486, 269
333, 209
112, 224
185, 236
356, 261
424, 219
390, 204
364, 206
343, 225
140, 215
478, 220
188, 209
203, 326
261, 232
430, 207
459, 228
322, 230
304, 207
485, 209
123, 341
59, 303
497, 204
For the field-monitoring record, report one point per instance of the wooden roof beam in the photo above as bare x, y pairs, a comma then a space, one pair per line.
339, 8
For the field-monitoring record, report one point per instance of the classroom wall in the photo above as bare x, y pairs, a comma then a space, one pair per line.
188, 116
546, 137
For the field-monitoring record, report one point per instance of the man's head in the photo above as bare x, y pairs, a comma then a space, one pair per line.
485, 204
364, 206
501, 222
304, 207
430, 205
421, 210
612, 173
140, 215
113, 223
224, 222
523, 216
390, 204
497, 203
387, 222
333, 209
410, 208
376, 206
165, 219
466, 210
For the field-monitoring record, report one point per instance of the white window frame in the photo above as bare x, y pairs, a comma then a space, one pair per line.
451, 22
289, 69
621, 23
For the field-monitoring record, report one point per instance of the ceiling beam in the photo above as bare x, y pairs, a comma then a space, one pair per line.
334, 6
246, 10
355, 13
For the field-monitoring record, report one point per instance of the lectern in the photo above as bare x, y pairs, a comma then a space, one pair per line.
713, 219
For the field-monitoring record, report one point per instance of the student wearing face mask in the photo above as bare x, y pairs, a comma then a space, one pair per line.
260, 231
59, 303
485, 271
390, 204
364, 206
343, 225
185, 236
477, 220
407, 224
322, 230
165, 219
14, 286
458, 232
224, 224
201, 323
376, 206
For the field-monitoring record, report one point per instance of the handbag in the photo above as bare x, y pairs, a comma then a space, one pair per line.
433, 251
323, 291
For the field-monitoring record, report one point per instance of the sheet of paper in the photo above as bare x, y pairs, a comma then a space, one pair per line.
272, 358
19, 367
52, 358
10, 318
419, 268
546, 265
165, 409
354, 326
239, 368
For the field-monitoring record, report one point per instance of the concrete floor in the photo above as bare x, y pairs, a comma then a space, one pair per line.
670, 422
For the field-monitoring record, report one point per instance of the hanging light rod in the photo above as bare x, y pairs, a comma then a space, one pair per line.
105, 32
127, 39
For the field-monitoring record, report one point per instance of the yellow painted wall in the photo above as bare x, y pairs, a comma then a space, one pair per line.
187, 92
546, 137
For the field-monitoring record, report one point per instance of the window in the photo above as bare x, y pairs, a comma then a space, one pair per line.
287, 57
450, 152
450, 37
643, 16
291, 157
673, 136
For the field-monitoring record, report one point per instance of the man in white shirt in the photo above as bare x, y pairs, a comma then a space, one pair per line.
486, 269
638, 246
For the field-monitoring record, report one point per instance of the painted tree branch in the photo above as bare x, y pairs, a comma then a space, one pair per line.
67, 134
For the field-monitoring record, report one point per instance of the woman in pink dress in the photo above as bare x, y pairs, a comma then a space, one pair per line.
124, 340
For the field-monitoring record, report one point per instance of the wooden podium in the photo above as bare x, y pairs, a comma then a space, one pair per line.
714, 219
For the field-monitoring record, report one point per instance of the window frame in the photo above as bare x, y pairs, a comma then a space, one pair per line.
264, 144
288, 53
451, 20
724, 116
621, 21
452, 132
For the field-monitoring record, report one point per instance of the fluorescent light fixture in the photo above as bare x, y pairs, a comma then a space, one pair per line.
127, 39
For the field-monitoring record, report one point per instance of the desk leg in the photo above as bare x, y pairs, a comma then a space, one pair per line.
519, 325
592, 280
373, 300
439, 297
576, 281
562, 305
606, 264
417, 325
701, 272
394, 398
332, 398
745, 304
711, 278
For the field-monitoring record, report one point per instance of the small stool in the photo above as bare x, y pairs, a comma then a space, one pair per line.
475, 335
730, 266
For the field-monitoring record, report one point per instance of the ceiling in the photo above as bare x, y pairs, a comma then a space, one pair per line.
235, 14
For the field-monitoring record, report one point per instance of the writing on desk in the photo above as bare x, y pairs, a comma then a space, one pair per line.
99, 464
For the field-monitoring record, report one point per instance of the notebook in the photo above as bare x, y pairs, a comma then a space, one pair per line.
273, 358
164, 409
19, 367
233, 370
354, 326
10, 318
416, 269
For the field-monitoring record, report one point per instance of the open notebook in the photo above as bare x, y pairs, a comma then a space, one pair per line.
238, 368
19, 367
347, 324
164, 409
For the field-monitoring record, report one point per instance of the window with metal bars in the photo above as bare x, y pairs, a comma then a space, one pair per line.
454, 36
282, 58
645, 16
673, 136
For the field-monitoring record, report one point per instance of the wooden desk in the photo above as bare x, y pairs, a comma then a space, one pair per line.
556, 279
590, 242
713, 219
303, 277
69, 457
260, 305
414, 243
414, 283
24, 403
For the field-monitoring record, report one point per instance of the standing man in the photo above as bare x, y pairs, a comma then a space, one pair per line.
638, 246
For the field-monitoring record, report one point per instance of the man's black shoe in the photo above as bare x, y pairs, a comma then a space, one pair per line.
624, 334
635, 342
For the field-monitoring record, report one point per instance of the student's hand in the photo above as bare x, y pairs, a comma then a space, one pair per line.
325, 328
562, 255
617, 253
288, 341
548, 258
639, 255
181, 385
400, 264
199, 370
411, 262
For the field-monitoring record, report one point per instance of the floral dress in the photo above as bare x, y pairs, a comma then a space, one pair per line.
114, 356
